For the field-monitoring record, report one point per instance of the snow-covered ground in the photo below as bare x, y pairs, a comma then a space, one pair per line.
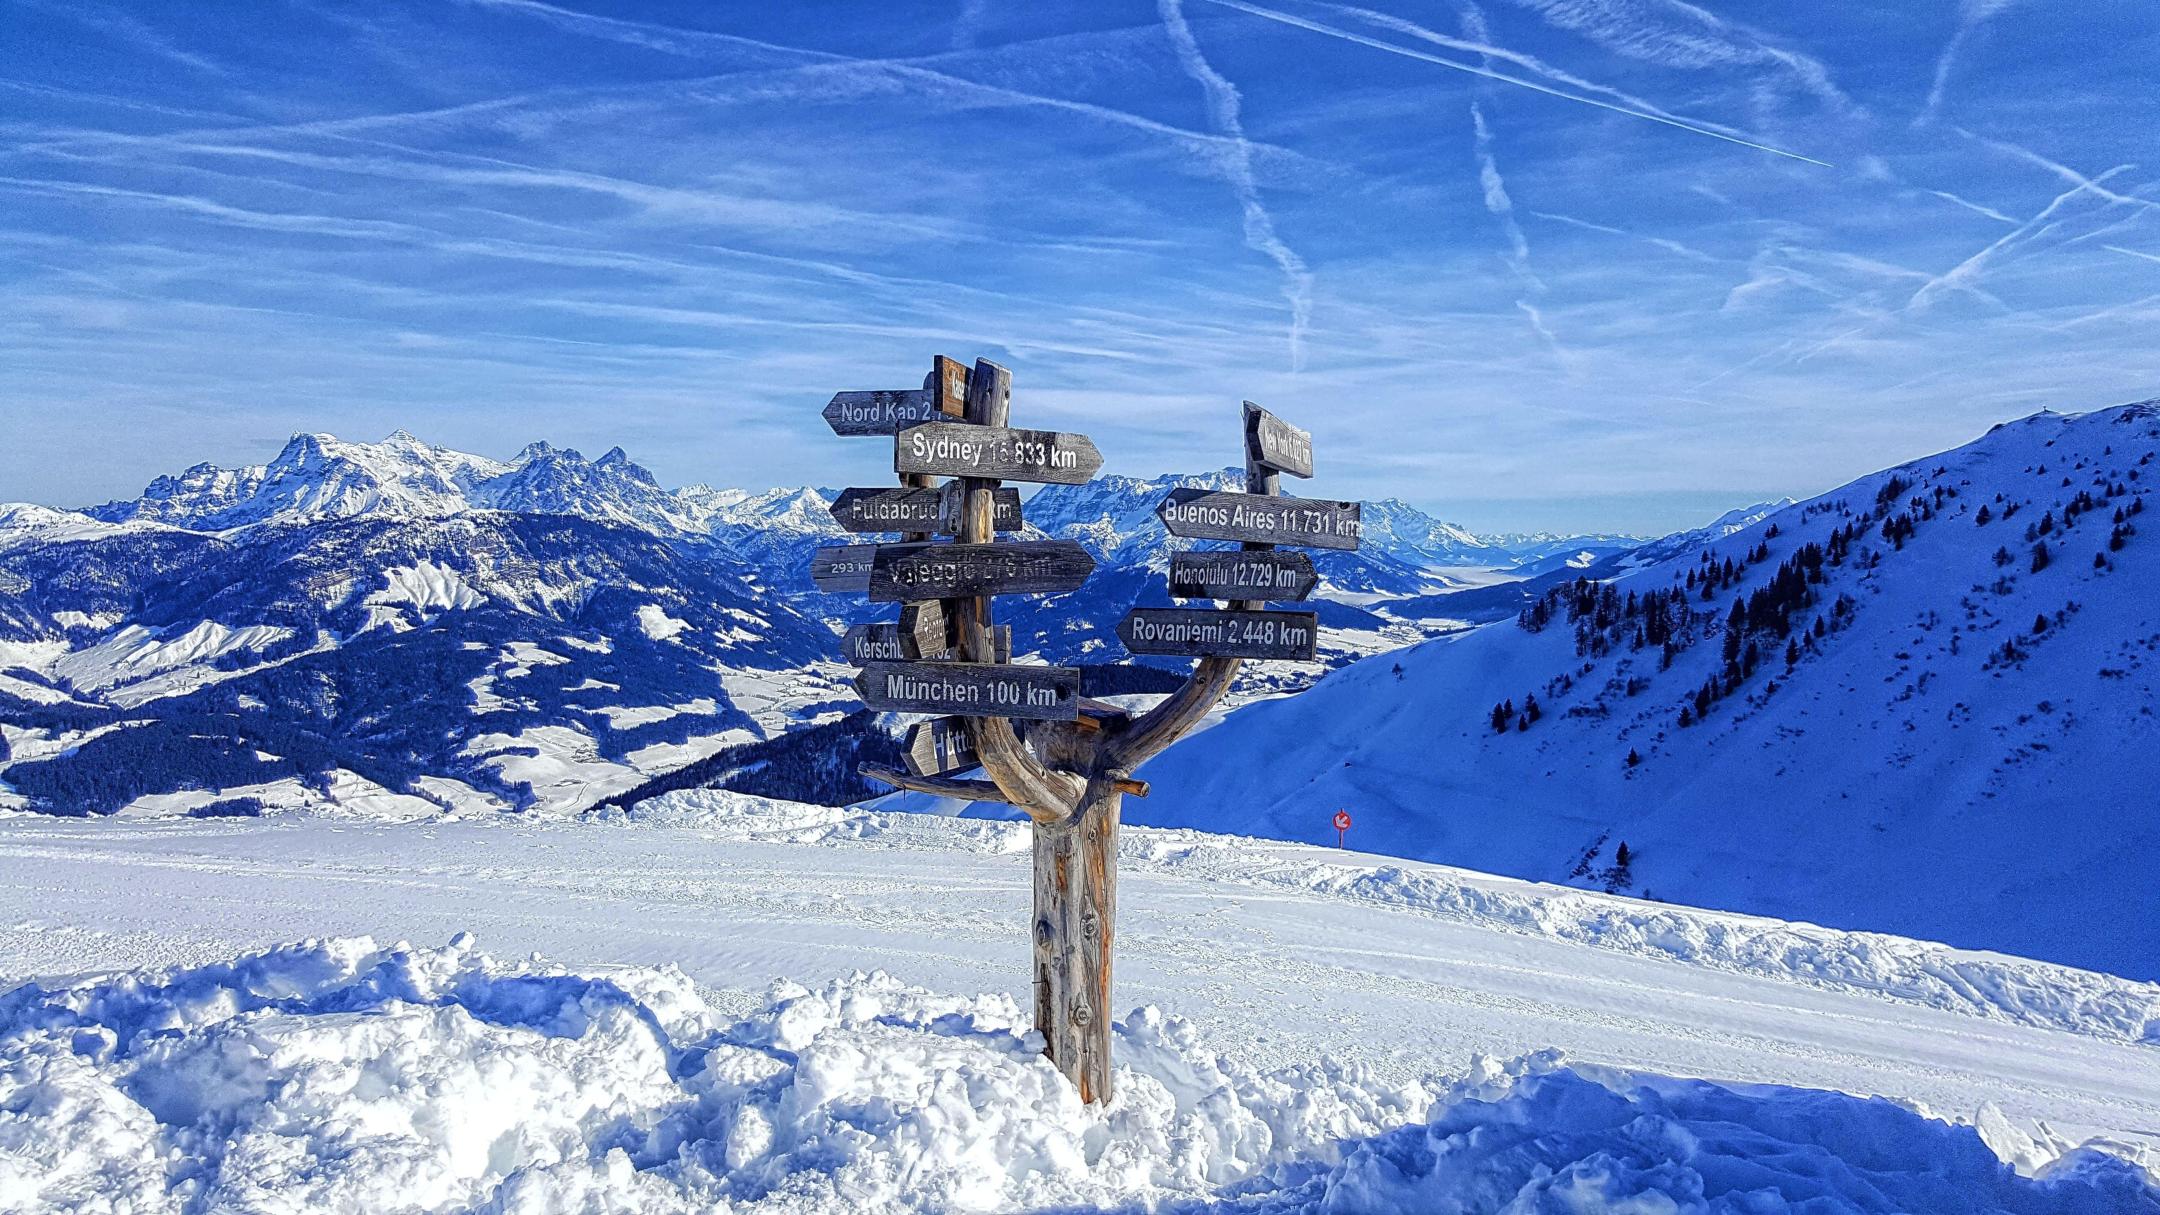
598, 1077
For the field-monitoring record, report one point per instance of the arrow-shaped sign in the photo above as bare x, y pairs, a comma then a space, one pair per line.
1206, 632
971, 689
1261, 575
954, 571
939, 747
1202, 514
913, 510
957, 449
1277, 443
845, 568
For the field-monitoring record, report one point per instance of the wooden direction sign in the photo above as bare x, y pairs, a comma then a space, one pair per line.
1277, 443
1241, 575
976, 690
908, 509
1001, 453
881, 413
956, 571
842, 568
1202, 514
1205, 632
891, 643
939, 747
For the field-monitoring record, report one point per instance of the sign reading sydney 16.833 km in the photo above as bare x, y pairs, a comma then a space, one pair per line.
957, 449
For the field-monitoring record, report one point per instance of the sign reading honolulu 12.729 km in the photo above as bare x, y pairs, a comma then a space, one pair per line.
947, 659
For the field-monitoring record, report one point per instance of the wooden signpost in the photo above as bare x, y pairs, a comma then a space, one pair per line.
1008, 690
1198, 632
912, 510
940, 746
1280, 577
842, 568
948, 571
1205, 514
1071, 773
1278, 444
955, 449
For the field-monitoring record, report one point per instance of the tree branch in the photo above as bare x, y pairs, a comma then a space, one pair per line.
1174, 718
965, 790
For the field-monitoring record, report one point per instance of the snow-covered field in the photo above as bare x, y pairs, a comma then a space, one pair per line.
1326, 1033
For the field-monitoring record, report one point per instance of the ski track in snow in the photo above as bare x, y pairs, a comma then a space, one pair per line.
1278, 952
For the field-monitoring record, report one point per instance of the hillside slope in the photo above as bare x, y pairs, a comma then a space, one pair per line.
1962, 748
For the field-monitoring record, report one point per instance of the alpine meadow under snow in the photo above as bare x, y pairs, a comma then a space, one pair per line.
1922, 703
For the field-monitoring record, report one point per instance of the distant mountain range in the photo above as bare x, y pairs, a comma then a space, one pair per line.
1927, 702
395, 627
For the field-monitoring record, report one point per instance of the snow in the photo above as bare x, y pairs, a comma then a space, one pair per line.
426, 586
1265, 945
136, 664
1898, 778
657, 624
345, 1076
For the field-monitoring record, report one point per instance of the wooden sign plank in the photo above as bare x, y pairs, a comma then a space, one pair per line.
1202, 514
1250, 576
881, 413
842, 568
845, 568
955, 571
999, 453
1206, 632
940, 747
971, 689
904, 509
1277, 443
920, 634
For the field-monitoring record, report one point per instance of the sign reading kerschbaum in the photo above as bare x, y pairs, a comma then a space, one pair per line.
946, 657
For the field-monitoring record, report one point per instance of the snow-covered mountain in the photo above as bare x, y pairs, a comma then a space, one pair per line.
354, 623
1923, 702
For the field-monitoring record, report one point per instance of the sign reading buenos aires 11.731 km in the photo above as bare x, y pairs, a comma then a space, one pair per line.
1201, 514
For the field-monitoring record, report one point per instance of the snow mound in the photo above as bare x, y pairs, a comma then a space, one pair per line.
339, 1076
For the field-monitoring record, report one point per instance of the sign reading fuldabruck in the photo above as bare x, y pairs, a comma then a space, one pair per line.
972, 689
1241, 575
956, 571
1201, 514
1207, 633
905, 509
999, 453
881, 413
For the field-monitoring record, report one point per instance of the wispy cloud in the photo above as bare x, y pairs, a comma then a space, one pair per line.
1670, 246
128, 30
1972, 14
1260, 235
1642, 111
1976, 208
1678, 35
1966, 275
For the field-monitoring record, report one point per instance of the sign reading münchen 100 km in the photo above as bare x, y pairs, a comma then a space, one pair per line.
975, 689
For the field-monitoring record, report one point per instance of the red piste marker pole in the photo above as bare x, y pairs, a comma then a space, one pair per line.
1342, 824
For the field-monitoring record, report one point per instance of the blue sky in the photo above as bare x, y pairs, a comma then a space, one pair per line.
1581, 264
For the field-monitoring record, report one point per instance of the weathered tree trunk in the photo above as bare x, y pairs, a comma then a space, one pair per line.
1075, 924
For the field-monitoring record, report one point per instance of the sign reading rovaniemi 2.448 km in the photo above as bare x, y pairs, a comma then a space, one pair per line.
946, 658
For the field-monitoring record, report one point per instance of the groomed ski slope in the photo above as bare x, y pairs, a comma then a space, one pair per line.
335, 1074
